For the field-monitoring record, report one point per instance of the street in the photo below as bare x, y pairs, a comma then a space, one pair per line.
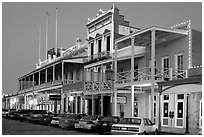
15, 127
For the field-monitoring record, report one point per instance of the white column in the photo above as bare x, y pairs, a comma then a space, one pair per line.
81, 104
152, 71
62, 70
62, 101
85, 106
115, 79
39, 77
101, 104
25, 102
76, 104
33, 80
53, 73
132, 76
46, 75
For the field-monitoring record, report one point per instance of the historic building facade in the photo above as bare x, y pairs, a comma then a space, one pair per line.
122, 70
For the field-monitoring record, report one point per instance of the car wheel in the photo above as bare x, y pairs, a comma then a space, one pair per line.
156, 132
144, 133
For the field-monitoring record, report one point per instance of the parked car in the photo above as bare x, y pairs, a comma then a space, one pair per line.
70, 120
12, 114
104, 125
55, 119
47, 118
5, 113
23, 113
36, 115
135, 125
87, 122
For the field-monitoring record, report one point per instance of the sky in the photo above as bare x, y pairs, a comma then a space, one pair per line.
21, 23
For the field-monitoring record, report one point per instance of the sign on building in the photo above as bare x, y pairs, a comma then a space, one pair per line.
55, 97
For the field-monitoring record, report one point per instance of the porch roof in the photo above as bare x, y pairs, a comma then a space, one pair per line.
163, 34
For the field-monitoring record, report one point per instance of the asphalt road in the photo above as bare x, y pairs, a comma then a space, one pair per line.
15, 127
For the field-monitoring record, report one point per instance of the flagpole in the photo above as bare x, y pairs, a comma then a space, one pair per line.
46, 33
39, 41
56, 34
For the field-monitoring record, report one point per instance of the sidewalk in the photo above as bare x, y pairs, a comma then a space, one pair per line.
180, 131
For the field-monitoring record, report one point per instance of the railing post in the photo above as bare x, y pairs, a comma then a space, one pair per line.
170, 73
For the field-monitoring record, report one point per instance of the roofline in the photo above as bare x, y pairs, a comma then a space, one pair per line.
51, 63
154, 27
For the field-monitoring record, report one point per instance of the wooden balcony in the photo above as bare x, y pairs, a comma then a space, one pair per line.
98, 87
144, 74
99, 56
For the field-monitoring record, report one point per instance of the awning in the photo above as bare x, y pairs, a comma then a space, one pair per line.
181, 89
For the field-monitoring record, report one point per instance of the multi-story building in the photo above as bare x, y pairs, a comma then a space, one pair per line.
102, 31
160, 56
125, 71
42, 88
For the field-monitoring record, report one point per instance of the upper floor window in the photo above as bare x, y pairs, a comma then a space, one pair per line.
166, 97
99, 45
180, 96
92, 49
179, 61
108, 43
165, 64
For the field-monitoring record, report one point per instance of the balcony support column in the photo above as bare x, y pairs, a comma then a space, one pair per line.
93, 105
53, 78
39, 78
100, 88
62, 71
132, 76
152, 73
76, 104
33, 80
46, 75
115, 80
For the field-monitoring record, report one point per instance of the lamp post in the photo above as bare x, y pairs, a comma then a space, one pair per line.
187, 125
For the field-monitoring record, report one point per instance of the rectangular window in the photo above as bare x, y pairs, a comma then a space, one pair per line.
180, 96
154, 109
155, 98
99, 46
179, 109
92, 50
108, 43
179, 62
166, 109
166, 97
165, 65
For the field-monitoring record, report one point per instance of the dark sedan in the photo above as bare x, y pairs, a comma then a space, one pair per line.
70, 120
47, 118
21, 115
36, 115
104, 126
87, 122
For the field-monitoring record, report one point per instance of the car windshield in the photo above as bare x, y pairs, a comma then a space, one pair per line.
136, 121
90, 117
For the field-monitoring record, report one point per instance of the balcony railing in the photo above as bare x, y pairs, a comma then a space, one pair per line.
145, 74
68, 81
99, 56
98, 86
